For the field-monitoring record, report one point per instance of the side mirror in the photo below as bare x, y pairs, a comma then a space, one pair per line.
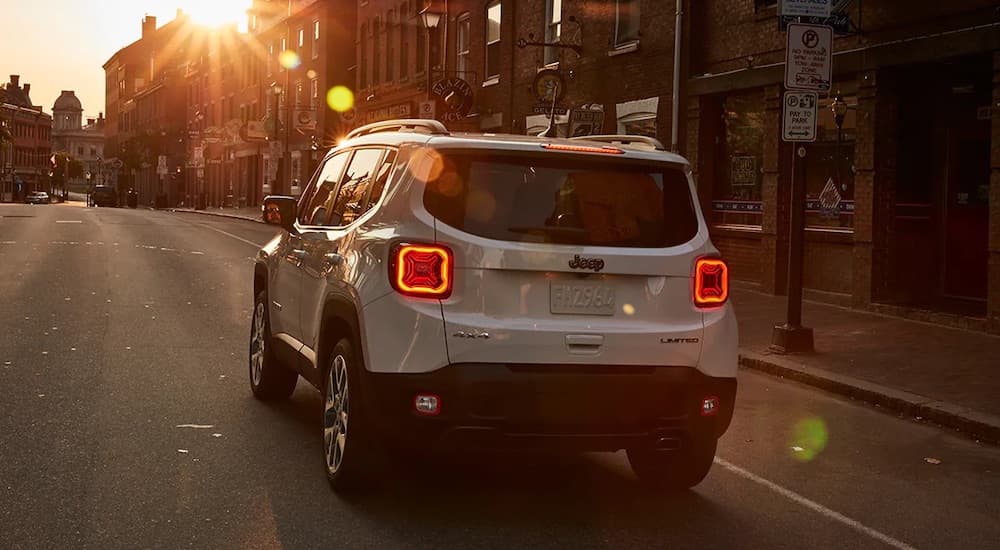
280, 210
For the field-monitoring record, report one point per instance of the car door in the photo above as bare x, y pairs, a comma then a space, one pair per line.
324, 269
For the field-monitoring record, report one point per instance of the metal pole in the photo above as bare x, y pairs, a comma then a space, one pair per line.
675, 92
792, 336
288, 75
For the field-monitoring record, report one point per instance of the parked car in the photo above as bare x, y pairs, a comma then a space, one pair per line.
38, 197
103, 195
499, 292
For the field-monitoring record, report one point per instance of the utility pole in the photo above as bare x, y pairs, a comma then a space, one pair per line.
287, 153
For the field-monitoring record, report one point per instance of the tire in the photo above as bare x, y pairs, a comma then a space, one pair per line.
268, 379
674, 470
350, 452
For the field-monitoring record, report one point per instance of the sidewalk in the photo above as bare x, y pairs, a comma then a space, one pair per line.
250, 213
947, 375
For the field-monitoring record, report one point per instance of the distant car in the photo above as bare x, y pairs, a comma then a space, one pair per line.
38, 197
104, 196
497, 292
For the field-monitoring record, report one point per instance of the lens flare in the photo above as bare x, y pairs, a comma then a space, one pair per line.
809, 438
628, 309
427, 165
340, 99
311, 73
289, 59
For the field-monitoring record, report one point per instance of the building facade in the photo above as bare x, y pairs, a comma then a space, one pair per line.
26, 143
903, 195
81, 141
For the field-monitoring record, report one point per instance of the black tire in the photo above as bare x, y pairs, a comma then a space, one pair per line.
360, 457
269, 380
674, 470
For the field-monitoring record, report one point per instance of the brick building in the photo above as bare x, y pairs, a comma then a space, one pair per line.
613, 59
307, 48
904, 201
26, 146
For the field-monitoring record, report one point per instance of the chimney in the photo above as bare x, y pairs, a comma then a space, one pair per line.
27, 88
90, 122
148, 26
15, 80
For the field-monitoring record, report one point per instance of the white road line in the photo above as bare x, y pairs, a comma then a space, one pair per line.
814, 506
69, 221
228, 234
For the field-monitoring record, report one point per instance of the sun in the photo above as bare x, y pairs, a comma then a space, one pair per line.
214, 13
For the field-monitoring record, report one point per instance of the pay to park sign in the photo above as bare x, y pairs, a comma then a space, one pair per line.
799, 116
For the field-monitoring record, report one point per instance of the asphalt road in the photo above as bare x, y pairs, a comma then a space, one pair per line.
119, 326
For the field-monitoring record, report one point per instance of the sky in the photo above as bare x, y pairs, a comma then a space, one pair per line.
60, 45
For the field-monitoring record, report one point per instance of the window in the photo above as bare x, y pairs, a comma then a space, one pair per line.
314, 93
404, 44
830, 169
270, 59
381, 179
376, 53
760, 5
736, 194
572, 200
315, 48
493, 40
462, 40
351, 195
553, 29
363, 58
626, 22
302, 38
313, 211
298, 93
390, 43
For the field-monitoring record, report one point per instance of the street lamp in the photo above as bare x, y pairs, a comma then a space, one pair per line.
430, 17
839, 107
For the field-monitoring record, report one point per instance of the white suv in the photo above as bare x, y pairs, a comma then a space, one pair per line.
499, 292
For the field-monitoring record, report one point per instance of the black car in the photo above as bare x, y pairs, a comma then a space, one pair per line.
38, 197
104, 196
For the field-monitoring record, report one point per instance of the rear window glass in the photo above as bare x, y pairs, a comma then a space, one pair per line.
563, 200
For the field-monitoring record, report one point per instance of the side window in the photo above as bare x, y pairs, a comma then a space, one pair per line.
381, 179
315, 210
358, 178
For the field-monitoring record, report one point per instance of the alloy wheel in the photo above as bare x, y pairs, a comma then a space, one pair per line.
335, 414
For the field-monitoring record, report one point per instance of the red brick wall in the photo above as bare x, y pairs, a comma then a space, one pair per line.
742, 254
726, 32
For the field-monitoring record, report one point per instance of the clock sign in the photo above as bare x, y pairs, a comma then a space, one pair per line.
454, 98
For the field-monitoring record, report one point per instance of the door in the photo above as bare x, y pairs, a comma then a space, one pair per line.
324, 269
283, 295
967, 215
566, 259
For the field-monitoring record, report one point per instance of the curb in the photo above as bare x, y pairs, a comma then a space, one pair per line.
218, 214
982, 426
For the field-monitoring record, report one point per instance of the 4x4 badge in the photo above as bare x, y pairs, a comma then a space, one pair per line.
577, 262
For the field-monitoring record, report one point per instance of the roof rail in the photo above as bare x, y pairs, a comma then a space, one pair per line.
415, 125
626, 140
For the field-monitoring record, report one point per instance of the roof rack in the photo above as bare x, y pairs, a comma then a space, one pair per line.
627, 140
415, 125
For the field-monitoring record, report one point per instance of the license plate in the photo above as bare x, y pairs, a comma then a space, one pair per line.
581, 299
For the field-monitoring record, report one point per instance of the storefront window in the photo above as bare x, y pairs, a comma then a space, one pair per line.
736, 196
830, 167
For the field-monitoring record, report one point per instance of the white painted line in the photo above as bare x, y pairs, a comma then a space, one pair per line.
69, 221
814, 506
228, 234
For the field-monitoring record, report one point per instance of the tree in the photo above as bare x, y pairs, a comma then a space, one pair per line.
60, 167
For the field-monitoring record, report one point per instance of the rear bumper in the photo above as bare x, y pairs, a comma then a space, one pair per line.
558, 407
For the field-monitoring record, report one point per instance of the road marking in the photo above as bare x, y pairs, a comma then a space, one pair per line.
69, 221
814, 506
228, 234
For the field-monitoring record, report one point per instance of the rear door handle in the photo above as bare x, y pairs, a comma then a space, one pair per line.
584, 344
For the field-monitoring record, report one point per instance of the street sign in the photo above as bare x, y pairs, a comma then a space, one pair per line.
806, 8
809, 57
840, 21
427, 110
799, 116
161, 165
585, 122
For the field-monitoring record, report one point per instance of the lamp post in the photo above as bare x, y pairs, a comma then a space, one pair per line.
839, 108
430, 17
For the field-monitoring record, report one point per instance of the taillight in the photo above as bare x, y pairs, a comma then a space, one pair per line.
421, 270
711, 282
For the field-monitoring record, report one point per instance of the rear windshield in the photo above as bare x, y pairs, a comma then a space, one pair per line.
568, 199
